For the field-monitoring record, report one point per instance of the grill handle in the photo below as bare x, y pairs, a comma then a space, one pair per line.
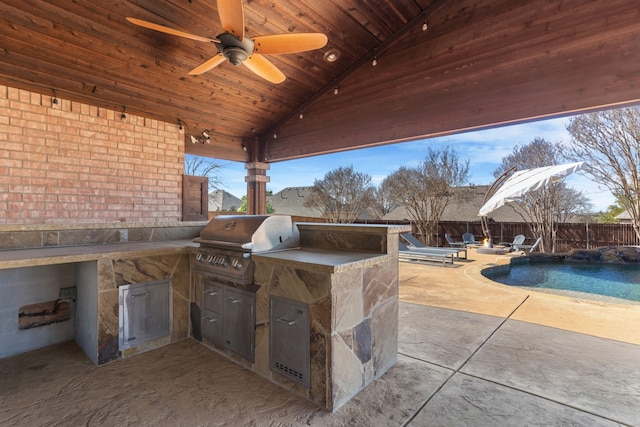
146, 294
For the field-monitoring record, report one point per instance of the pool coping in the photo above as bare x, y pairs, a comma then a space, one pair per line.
465, 289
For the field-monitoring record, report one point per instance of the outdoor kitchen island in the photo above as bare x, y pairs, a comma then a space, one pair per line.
347, 278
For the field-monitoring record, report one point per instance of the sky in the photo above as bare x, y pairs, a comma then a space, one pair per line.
484, 150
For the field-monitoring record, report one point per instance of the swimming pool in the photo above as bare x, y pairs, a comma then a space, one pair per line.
614, 280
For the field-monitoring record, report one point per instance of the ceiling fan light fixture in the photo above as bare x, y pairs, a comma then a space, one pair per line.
236, 55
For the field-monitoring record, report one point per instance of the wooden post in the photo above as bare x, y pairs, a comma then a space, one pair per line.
256, 180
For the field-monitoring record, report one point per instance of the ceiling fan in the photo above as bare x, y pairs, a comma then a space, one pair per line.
234, 47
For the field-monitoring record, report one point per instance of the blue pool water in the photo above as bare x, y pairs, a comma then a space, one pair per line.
614, 280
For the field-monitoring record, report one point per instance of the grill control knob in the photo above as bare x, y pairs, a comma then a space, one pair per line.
237, 264
210, 259
224, 261
199, 257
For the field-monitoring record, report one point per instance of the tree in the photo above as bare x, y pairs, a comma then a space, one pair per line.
544, 208
341, 195
204, 166
425, 190
243, 207
609, 143
610, 215
384, 201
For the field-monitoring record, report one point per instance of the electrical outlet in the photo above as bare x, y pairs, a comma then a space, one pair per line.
69, 292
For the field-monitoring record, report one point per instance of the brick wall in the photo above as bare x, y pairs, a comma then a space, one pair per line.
71, 162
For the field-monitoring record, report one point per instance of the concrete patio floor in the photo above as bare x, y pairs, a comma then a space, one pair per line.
471, 352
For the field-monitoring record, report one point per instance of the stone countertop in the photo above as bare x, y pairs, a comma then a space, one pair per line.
70, 254
322, 259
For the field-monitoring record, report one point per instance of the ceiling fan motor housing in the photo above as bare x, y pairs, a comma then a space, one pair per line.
233, 49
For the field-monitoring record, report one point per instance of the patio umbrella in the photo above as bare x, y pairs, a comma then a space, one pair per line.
521, 182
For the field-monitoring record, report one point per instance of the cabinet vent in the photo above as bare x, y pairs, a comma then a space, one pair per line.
288, 371
289, 349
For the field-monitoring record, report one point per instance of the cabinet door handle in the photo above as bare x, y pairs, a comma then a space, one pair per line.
288, 322
210, 319
232, 300
211, 293
146, 294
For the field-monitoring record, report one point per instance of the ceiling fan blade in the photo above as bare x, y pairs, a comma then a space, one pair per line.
264, 68
167, 30
232, 17
289, 43
206, 66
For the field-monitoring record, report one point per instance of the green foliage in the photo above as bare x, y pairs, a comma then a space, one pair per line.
243, 206
609, 216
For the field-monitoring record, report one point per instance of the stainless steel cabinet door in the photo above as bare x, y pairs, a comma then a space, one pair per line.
290, 340
144, 313
239, 321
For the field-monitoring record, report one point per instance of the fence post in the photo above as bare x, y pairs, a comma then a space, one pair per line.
587, 224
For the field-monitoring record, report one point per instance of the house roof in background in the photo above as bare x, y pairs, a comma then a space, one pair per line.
220, 200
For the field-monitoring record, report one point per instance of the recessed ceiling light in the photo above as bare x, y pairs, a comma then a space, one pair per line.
331, 55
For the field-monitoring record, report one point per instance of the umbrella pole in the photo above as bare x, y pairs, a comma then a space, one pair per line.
484, 221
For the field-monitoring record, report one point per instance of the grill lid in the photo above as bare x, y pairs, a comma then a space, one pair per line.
255, 233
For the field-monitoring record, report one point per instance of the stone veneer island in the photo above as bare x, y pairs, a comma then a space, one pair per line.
348, 277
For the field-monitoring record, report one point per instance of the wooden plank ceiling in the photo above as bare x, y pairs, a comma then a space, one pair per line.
480, 63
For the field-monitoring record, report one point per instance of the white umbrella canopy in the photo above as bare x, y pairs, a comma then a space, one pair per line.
521, 182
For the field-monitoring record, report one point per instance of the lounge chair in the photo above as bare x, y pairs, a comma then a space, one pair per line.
428, 253
470, 239
452, 243
530, 248
517, 241
413, 241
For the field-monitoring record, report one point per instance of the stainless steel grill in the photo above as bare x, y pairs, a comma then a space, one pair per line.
227, 242
225, 271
